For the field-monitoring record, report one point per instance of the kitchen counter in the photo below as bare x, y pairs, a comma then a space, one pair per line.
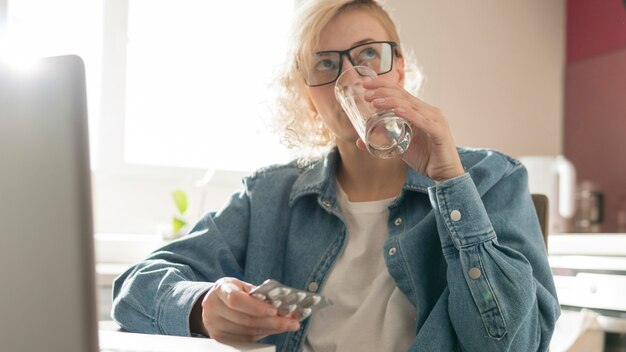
590, 278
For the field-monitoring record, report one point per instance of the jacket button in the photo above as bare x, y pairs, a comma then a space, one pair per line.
398, 222
455, 215
326, 203
313, 287
474, 273
392, 251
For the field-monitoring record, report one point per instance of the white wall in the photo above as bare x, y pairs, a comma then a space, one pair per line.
139, 204
494, 67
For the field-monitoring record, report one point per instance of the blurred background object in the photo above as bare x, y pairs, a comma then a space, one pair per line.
554, 176
589, 208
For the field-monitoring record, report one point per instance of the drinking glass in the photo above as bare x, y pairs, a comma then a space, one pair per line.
385, 134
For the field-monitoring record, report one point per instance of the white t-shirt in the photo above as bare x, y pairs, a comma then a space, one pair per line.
369, 312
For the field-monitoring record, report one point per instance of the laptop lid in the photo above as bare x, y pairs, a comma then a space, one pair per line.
47, 295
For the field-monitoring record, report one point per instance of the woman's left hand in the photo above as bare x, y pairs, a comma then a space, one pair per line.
432, 151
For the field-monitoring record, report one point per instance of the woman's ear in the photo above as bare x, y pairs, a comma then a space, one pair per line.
399, 67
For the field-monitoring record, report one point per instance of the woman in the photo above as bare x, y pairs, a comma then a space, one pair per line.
439, 250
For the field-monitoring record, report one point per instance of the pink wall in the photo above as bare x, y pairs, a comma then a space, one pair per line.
594, 27
595, 125
595, 98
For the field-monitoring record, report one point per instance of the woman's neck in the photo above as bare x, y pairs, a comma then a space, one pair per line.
365, 177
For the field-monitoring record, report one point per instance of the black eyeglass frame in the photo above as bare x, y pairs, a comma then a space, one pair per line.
346, 53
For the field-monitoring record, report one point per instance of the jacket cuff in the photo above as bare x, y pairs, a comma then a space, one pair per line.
175, 307
461, 216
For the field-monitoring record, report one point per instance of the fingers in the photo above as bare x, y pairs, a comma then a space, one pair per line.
432, 150
236, 297
384, 88
425, 117
230, 313
268, 323
224, 336
250, 326
428, 118
360, 144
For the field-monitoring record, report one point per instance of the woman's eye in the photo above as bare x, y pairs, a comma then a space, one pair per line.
325, 65
368, 54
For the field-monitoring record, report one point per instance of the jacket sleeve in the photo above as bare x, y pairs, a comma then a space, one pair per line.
501, 291
156, 295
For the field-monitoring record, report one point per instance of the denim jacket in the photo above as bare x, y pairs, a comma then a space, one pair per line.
468, 254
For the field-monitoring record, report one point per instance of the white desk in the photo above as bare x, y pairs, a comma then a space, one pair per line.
111, 338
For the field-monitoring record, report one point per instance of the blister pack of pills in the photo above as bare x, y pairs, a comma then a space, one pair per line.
290, 300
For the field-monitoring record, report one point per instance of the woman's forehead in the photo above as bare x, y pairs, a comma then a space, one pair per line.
350, 28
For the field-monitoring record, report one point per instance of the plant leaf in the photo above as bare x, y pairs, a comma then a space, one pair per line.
177, 224
180, 199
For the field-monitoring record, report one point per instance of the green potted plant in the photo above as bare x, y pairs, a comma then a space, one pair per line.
179, 220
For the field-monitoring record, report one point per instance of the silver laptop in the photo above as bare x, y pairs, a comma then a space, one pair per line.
47, 269
47, 299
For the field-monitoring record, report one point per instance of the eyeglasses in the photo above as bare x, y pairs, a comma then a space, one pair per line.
324, 67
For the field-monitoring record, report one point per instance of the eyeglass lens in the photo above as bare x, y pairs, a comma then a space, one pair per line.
325, 66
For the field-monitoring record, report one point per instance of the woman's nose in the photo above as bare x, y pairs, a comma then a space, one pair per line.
348, 74
346, 64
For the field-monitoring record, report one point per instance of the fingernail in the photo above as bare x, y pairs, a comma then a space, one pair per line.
369, 93
379, 100
270, 312
399, 110
294, 326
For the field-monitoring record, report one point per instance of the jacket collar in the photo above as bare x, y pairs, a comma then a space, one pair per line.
319, 179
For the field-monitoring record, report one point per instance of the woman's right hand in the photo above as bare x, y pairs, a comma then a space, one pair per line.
227, 312
432, 151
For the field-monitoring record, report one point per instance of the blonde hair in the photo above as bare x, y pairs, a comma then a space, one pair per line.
300, 127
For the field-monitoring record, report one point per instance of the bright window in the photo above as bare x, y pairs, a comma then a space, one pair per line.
37, 28
195, 75
197, 82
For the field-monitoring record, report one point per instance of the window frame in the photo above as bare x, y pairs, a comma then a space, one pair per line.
111, 130
110, 139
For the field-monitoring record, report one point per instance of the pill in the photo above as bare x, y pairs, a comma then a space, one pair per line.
274, 293
301, 296
305, 313
259, 296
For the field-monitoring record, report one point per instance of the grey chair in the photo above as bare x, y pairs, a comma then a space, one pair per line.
541, 207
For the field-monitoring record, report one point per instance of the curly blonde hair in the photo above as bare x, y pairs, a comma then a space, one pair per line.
300, 128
